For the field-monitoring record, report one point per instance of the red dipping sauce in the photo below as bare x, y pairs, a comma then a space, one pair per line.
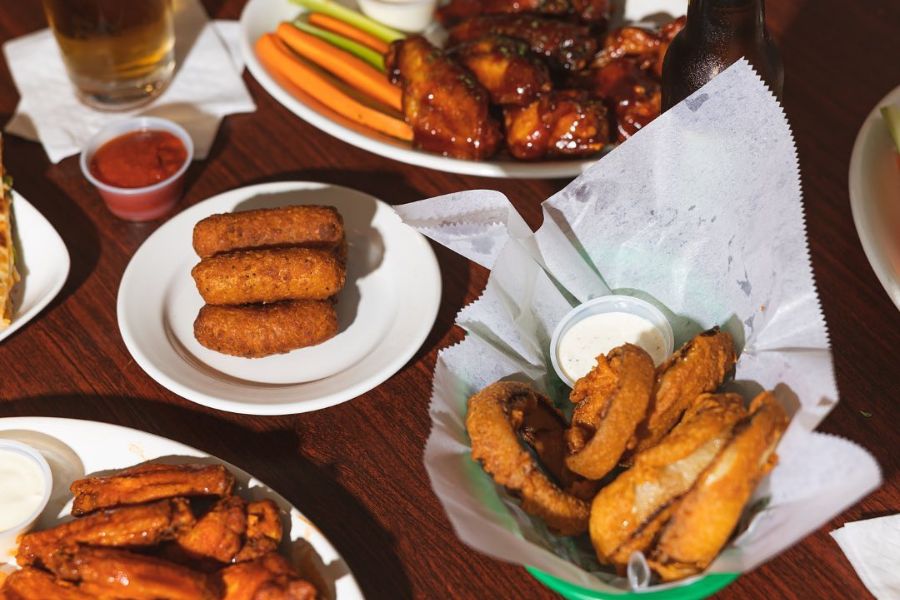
138, 166
138, 159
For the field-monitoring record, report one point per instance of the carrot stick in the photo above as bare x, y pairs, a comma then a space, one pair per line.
345, 66
279, 60
349, 31
376, 59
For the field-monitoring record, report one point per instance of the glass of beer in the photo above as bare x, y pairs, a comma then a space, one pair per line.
119, 53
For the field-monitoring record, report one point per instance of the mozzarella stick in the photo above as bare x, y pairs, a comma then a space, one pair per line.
311, 226
260, 330
269, 276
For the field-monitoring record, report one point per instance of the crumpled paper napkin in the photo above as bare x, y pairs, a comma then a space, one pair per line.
206, 87
700, 213
873, 548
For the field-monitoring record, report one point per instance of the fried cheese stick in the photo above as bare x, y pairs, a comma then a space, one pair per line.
501, 419
132, 526
147, 482
705, 518
610, 402
271, 275
697, 367
627, 513
311, 226
254, 331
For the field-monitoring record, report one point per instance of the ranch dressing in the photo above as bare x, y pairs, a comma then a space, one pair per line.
22, 486
597, 334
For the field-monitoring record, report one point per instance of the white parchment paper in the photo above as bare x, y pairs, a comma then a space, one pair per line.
700, 213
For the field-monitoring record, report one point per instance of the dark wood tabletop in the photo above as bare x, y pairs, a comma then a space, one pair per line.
356, 469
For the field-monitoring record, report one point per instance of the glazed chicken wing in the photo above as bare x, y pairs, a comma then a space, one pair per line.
218, 534
149, 482
446, 107
267, 578
559, 124
34, 584
264, 530
130, 526
565, 45
627, 90
110, 573
589, 11
506, 67
666, 34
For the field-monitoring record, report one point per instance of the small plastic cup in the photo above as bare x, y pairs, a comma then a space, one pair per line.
8, 536
411, 16
608, 304
143, 203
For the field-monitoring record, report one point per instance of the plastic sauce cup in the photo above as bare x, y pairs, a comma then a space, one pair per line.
609, 304
142, 203
8, 536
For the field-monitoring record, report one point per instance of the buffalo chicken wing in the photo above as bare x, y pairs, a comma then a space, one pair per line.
506, 68
559, 124
589, 11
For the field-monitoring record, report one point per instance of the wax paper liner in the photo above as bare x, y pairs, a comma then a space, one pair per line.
700, 213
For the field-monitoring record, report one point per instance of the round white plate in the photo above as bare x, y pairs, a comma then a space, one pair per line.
263, 16
42, 261
385, 311
875, 197
76, 448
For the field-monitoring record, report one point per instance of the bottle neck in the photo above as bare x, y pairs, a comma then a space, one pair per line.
737, 16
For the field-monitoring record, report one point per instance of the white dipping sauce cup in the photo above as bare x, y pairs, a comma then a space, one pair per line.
8, 536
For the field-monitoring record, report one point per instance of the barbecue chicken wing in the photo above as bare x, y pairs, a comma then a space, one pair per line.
264, 530
446, 107
506, 67
267, 578
589, 11
566, 46
627, 90
149, 482
109, 573
560, 124
219, 533
34, 584
129, 526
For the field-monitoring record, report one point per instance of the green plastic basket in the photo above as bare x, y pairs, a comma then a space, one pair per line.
702, 588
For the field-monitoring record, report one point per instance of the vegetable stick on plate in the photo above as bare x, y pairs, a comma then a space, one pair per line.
348, 31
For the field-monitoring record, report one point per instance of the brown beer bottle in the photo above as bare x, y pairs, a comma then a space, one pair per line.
716, 35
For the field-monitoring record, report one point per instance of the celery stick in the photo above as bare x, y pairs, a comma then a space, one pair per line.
891, 116
333, 9
356, 49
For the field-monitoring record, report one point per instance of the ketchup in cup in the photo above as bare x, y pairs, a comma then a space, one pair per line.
138, 166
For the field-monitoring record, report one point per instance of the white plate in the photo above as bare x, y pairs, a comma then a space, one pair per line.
263, 16
42, 261
875, 197
385, 310
76, 448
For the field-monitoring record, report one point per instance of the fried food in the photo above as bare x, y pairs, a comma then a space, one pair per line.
148, 482
112, 573
129, 526
9, 275
707, 515
609, 401
565, 123
310, 226
263, 530
500, 418
253, 331
219, 533
697, 367
666, 34
269, 577
588, 11
34, 584
628, 90
269, 275
506, 68
446, 107
627, 514
566, 46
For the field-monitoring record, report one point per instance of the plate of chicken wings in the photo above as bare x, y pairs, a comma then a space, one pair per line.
502, 88
134, 515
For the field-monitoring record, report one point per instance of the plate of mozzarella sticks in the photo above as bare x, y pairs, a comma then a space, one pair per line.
279, 298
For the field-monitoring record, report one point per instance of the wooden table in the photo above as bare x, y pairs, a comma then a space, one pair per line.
356, 469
